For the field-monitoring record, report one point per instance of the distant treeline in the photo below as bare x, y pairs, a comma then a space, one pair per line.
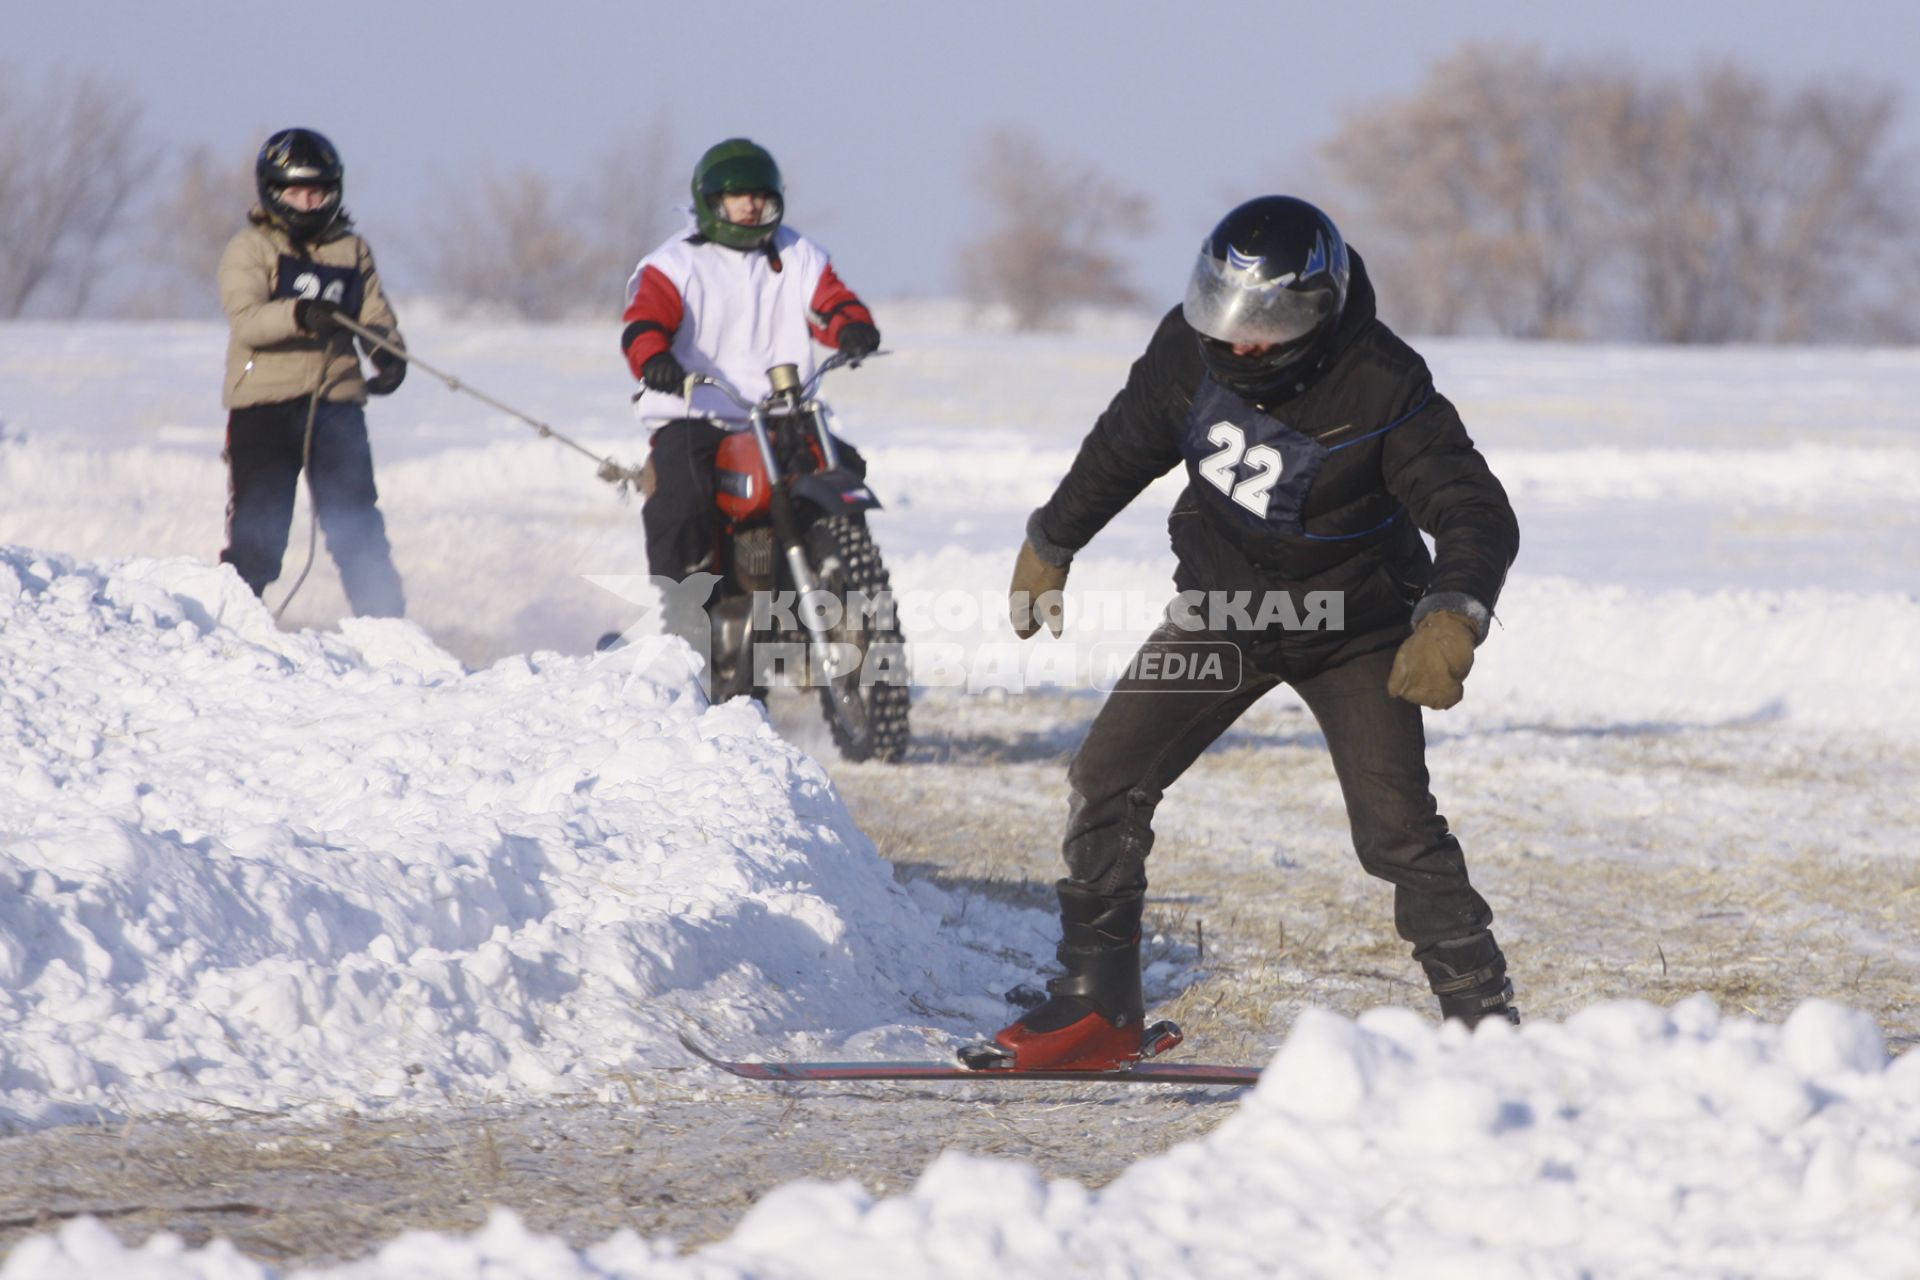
1571, 200
1506, 194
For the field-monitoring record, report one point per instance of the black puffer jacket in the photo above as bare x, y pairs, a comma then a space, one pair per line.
1326, 490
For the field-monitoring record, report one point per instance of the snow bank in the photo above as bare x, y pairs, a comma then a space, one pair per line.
1629, 1141
267, 869
1569, 654
1801, 475
1563, 653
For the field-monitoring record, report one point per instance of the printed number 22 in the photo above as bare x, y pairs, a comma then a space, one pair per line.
1218, 469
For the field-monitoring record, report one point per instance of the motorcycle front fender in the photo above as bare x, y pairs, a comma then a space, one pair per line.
833, 493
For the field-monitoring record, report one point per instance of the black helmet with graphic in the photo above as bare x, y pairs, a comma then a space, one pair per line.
735, 167
1272, 276
299, 158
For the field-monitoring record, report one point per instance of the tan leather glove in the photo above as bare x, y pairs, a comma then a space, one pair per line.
1034, 596
1434, 660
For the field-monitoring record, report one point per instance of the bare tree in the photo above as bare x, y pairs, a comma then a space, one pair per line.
1051, 244
1757, 214
67, 166
515, 244
1883, 308
510, 245
1558, 200
1484, 183
209, 206
634, 201
183, 244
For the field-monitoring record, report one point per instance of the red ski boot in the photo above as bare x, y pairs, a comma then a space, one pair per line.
1093, 1017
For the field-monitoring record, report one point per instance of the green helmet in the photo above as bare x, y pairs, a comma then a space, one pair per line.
734, 166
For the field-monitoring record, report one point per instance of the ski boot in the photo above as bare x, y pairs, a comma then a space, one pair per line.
1469, 977
1093, 1017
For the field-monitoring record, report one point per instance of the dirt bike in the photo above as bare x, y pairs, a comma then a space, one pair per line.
794, 541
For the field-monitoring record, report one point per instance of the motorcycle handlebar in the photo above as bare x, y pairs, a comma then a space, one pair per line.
835, 361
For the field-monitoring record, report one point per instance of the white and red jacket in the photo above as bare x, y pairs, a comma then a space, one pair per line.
733, 314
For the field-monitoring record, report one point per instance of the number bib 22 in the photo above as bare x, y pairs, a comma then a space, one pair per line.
1248, 465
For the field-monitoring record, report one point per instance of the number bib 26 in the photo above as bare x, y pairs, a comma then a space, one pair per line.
301, 278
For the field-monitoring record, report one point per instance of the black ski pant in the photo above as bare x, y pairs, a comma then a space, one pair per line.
264, 458
680, 517
1151, 730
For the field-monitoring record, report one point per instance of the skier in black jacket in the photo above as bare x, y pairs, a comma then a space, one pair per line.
1316, 449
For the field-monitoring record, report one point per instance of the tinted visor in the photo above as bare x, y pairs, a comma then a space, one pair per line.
1235, 306
305, 222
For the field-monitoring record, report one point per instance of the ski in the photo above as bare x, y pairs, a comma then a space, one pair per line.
1144, 1072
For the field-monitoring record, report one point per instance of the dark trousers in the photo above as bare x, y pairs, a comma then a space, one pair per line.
1148, 733
680, 518
264, 458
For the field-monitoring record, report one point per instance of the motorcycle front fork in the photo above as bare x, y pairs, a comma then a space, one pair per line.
786, 532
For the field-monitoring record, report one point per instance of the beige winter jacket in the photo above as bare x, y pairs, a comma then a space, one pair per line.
262, 274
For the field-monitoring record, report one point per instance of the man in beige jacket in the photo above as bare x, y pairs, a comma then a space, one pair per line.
292, 373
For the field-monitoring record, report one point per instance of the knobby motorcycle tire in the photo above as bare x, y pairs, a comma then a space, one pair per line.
844, 549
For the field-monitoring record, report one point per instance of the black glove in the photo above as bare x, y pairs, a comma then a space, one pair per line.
664, 374
389, 371
317, 316
858, 339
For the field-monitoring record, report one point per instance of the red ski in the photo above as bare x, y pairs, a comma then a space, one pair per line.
1160, 1037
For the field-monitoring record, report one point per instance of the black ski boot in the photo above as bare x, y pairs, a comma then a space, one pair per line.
1469, 976
1093, 1017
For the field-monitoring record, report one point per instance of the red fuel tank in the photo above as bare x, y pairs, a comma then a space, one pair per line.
740, 485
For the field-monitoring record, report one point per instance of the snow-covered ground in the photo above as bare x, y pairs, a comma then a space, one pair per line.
393, 865
1629, 1141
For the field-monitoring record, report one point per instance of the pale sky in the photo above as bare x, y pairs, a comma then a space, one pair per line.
874, 110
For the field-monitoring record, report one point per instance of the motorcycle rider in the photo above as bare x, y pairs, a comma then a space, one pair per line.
1317, 450
733, 295
283, 278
